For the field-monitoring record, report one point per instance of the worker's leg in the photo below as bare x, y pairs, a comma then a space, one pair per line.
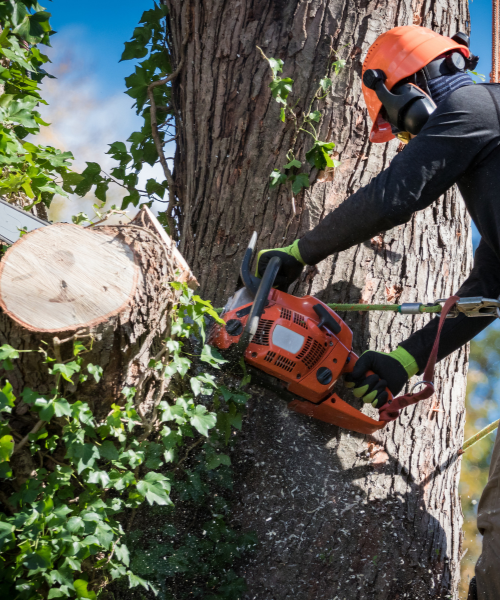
488, 523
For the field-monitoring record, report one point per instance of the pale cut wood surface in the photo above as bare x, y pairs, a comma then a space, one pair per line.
63, 277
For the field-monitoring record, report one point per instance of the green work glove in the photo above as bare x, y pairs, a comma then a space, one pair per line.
291, 264
391, 370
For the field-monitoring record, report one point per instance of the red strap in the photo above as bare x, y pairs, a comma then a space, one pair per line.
390, 410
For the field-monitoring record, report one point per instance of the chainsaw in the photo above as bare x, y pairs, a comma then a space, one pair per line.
296, 347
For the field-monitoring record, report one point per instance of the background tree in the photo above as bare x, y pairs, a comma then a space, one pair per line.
337, 514
481, 406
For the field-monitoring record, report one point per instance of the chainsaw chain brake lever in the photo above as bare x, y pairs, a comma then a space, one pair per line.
259, 303
251, 282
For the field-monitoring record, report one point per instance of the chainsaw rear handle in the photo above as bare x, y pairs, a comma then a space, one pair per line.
352, 360
251, 282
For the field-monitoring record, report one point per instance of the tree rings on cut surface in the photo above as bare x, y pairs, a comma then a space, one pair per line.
65, 277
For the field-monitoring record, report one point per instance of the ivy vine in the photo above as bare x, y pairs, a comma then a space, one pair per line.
320, 154
68, 530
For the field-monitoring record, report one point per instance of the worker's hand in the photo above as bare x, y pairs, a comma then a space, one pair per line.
291, 264
389, 370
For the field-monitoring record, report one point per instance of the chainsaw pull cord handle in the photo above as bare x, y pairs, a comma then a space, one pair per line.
259, 303
251, 282
390, 410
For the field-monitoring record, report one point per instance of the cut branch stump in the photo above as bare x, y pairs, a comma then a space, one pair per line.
106, 284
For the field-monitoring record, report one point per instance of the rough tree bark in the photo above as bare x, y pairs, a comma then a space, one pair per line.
338, 515
67, 276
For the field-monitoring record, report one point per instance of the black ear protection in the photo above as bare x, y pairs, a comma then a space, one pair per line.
407, 107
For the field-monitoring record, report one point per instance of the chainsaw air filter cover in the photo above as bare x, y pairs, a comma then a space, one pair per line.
298, 340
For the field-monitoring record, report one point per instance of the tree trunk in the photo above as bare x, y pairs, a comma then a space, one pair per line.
338, 515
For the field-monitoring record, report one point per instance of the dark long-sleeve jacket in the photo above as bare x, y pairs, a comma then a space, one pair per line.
459, 144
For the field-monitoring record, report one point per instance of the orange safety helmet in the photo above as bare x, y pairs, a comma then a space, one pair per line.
401, 52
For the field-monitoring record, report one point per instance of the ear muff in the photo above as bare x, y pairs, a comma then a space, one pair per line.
408, 108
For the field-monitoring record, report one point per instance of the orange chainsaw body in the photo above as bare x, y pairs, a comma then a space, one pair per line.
290, 345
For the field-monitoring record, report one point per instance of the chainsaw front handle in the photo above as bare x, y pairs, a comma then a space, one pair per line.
259, 303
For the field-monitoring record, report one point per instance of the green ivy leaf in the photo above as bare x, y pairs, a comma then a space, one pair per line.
293, 163
122, 554
314, 116
82, 591
218, 459
276, 65
319, 155
96, 371
338, 65
49, 408
75, 524
6, 448
65, 370
301, 181
109, 451
154, 488
281, 88
134, 49
282, 114
203, 384
277, 178
58, 593
7, 398
325, 83
41, 559
104, 534
7, 355
6, 533
212, 356
99, 477
202, 420
154, 454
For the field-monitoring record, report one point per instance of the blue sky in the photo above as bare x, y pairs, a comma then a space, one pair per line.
99, 28
480, 12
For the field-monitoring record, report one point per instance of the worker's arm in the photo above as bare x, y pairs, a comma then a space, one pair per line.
456, 135
394, 369
484, 280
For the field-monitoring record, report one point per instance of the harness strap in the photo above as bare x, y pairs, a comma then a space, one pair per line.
390, 410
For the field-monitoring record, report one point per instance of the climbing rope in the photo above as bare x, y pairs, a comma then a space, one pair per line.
480, 435
398, 308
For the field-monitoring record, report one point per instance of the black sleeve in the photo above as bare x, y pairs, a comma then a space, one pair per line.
431, 163
484, 280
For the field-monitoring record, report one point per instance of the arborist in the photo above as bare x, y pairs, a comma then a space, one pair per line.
417, 88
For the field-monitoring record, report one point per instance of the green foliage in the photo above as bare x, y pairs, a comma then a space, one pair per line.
321, 154
39, 171
68, 523
35, 170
